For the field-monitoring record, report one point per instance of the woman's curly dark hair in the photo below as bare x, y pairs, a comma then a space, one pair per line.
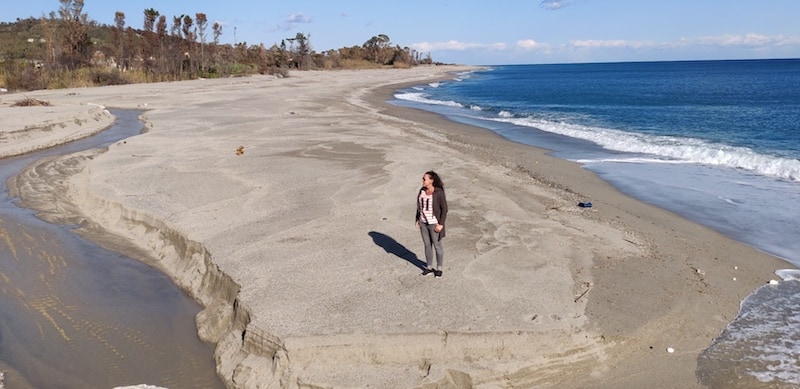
437, 181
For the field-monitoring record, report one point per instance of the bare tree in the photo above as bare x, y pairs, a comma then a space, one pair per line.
175, 30
217, 32
200, 30
282, 55
186, 28
133, 48
150, 16
149, 42
49, 29
171, 51
300, 48
161, 33
174, 51
76, 50
119, 39
188, 40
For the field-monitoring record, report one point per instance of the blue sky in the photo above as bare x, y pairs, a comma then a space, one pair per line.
491, 32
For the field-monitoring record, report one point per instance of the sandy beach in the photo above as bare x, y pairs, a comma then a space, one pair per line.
303, 250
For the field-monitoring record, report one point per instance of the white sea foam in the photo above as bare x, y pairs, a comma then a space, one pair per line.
681, 149
665, 149
632, 160
762, 341
435, 84
788, 274
730, 200
461, 76
423, 98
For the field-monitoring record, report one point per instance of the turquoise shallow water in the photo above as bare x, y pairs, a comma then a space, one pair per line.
717, 142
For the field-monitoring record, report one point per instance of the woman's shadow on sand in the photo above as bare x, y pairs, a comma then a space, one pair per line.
391, 246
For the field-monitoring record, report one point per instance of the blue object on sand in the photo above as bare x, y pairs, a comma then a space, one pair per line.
585, 205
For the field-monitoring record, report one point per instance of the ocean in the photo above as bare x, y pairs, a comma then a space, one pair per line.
717, 142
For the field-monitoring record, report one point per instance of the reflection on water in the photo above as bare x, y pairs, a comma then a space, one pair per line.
75, 315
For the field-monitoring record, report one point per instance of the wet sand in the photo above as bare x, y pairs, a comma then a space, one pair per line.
303, 250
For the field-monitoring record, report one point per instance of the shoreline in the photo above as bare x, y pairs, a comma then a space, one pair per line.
708, 281
639, 263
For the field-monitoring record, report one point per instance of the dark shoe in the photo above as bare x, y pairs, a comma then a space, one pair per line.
425, 272
437, 273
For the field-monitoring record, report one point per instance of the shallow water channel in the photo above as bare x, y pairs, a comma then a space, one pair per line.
75, 315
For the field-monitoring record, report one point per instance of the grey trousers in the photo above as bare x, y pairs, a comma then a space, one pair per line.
431, 240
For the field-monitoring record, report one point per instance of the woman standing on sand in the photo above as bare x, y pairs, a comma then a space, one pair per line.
431, 214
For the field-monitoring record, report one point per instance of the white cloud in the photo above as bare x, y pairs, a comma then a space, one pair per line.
729, 40
291, 21
528, 50
554, 4
457, 46
298, 18
610, 44
530, 44
747, 40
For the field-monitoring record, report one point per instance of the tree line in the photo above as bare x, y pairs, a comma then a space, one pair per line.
67, 49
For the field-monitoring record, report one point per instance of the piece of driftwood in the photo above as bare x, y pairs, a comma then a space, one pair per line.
583, 294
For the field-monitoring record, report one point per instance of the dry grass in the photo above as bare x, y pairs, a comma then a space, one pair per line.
359, 64
79, 78
29, 102
19, 77
140, 77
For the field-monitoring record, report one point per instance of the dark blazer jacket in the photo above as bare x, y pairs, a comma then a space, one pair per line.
439, 208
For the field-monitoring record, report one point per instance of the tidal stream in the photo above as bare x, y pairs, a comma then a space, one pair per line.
75, 315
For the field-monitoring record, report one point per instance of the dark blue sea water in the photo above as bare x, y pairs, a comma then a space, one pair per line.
717, 142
